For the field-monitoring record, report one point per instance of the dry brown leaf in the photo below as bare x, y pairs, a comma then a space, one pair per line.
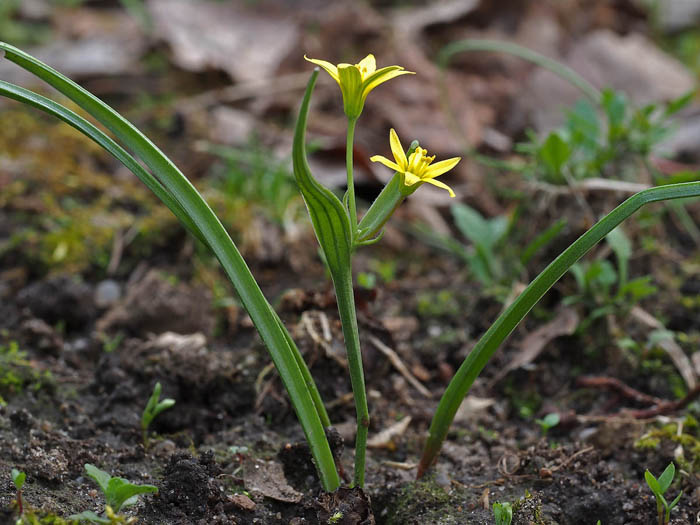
674, 351
106, 43
385, 439
204, 35
471, 406
267, 478
607, 60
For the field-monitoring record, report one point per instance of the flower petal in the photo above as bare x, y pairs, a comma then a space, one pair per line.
330, 68
368, 64
397, 149
386, 162
440, 185
351, 86
382, 75
409, 179
434, 170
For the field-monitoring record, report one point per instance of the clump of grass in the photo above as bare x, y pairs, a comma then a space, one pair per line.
17, 372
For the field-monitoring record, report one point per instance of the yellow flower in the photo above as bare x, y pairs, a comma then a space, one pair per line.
356, 81
418, 167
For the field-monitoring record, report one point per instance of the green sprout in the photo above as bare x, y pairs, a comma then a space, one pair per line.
335, 518
503, 513
549, 421
153, 408
18, 479
118, 493
659, 487
493, 258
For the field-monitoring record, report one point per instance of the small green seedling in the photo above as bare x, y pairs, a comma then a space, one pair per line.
503, 513
335, 518
659, 487
110, 517
153, 408
18, 479
118, 492
548, 421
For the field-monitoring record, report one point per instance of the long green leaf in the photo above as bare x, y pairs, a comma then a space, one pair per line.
216, 237
508, 320
500, 46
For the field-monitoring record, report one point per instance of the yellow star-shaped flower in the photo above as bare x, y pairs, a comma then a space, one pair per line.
418, 167
357, 80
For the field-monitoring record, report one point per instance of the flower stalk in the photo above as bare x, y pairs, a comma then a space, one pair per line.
348, 319
349, 158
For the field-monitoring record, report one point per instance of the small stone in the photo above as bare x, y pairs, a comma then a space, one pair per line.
242, 501
164, 448
107, 293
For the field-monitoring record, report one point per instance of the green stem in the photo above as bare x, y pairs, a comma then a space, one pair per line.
348, 318
508, 320
352, 207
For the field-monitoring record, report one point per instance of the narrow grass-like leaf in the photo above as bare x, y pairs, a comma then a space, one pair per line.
500, 46
216, 237
508, 320
542, 240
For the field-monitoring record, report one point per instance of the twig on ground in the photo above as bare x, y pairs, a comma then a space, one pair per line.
661, 407
398, 364
401, 465
323, 342
666, 407
611, 383
237, 92
571, 458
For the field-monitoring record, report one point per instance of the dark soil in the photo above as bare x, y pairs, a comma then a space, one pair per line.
89, 322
